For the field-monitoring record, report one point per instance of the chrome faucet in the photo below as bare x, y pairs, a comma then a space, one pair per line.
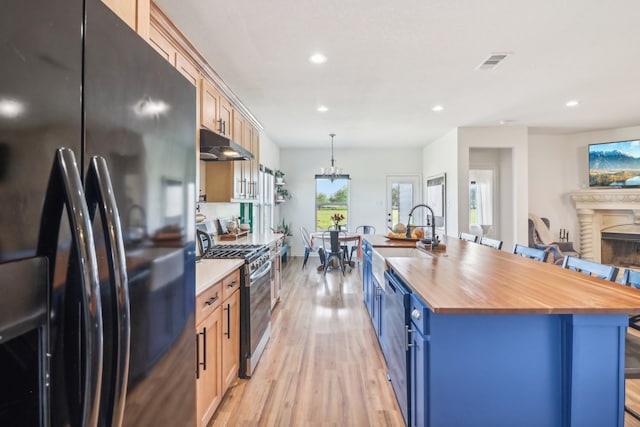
434, 242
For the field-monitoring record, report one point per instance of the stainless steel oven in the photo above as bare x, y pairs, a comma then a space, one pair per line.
255, 299
256, 294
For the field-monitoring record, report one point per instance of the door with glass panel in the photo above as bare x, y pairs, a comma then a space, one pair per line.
403, 193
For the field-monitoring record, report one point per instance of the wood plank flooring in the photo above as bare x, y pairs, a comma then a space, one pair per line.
323, 365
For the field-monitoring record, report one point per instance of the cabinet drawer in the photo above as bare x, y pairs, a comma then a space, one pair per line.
208, 301
230, 284
419, 314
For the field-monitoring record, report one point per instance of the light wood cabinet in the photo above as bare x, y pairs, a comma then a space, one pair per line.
135, 13
209, 383
218, 342
230, 339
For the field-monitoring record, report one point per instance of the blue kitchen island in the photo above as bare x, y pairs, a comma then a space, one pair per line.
494, 339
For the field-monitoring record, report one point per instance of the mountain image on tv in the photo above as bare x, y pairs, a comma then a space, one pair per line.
614, 164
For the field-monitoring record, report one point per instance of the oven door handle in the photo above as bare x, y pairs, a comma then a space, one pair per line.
263, 271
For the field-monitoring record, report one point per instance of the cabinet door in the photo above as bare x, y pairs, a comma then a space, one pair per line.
135, 13
241, 181
419, 377
248, 166
230, 339
255, 149
162, 45
225, 113
209, 382
209, 106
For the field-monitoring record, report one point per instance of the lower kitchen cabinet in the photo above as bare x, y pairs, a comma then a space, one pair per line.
276, 268
230, 339
218, 343
209, 382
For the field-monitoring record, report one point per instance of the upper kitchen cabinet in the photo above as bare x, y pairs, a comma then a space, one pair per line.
134, 12
215, 111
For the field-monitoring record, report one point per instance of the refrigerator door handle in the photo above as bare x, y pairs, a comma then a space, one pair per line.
99, 194
65, 190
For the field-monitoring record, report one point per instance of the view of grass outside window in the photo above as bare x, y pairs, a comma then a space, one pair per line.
332, 197
395, 203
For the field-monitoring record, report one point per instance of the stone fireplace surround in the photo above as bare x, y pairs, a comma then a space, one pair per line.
609, 210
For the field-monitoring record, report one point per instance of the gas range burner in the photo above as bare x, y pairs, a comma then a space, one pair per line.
247, 252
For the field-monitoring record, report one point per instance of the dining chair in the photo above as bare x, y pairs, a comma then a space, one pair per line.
335, 250
590, 268
632, 278
632, 340
468, 237
361, 229
492, 243
533, 253
306, 239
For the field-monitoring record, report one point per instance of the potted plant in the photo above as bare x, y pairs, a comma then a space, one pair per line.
283, 227
282, 194
279, 177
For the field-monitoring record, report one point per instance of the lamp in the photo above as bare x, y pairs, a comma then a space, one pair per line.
332, 173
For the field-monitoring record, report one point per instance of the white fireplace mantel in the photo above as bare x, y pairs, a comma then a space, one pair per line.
603, 208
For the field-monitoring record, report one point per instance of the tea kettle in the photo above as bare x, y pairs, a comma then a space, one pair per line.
204, 241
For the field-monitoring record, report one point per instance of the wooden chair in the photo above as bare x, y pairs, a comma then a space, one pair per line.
361, 229
492, 243
306, 239
533, 253
335, 250
468, 237
590, 268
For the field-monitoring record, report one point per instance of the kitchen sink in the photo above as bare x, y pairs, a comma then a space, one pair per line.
379, 264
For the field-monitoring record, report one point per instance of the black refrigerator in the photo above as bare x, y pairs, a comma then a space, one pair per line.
97, 222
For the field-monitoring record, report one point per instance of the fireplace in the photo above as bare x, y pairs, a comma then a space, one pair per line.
620, 246
609, 222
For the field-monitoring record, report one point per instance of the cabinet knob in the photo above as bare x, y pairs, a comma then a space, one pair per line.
416, 314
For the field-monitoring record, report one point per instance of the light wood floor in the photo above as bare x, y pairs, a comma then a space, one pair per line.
323, 365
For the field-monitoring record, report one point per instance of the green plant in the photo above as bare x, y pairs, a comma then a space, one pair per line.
283, 227
283, 193
278, 173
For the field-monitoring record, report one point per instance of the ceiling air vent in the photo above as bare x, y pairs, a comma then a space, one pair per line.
493, 61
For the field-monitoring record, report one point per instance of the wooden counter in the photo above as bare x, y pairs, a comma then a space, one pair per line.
471, 278
505, 340
254, 239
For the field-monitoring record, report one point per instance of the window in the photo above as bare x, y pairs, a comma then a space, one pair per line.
332, 197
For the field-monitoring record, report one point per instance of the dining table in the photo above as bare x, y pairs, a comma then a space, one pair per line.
343, 237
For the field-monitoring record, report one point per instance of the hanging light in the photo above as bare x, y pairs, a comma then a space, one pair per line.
332, 173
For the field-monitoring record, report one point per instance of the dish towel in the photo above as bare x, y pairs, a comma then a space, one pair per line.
544, 234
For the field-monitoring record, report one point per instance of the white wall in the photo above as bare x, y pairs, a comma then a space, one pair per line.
552, 175
558, 166
269, 152
515, 138
441, 156
368, 169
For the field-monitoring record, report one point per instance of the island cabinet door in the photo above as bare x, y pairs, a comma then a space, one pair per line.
419, 374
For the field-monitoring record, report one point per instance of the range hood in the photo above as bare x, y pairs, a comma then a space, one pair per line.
214, 147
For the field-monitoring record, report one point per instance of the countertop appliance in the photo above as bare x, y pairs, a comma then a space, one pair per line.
97, 222
255, 299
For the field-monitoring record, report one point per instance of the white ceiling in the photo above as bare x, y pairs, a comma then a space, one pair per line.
389, 62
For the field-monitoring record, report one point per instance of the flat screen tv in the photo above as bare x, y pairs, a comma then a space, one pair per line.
615, 164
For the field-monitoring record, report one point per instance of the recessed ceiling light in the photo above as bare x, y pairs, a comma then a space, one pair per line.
437, 108
322, 109
318, 58
507, 122
572, 103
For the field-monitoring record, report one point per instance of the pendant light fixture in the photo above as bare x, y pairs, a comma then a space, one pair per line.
332, 173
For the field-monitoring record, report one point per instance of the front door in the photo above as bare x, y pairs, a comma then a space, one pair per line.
403, 192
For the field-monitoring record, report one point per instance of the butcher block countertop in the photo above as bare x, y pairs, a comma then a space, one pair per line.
210, 271
467, 278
